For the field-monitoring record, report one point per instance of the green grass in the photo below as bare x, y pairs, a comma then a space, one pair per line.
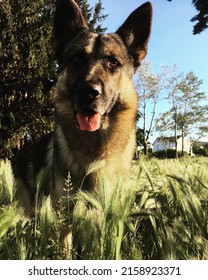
161, 214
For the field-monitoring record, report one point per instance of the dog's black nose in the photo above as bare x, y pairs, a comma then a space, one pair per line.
93, 93
88, 92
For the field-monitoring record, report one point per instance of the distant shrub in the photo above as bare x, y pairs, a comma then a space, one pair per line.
201, 151
169, 153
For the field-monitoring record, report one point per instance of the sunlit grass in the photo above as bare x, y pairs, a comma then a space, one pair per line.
161, 214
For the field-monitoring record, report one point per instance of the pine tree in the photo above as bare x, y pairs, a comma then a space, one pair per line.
28, 69
93, 15
201, 18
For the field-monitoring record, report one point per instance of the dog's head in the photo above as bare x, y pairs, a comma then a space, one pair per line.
97, 69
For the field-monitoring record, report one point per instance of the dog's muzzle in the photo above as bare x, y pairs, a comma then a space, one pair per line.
86, 113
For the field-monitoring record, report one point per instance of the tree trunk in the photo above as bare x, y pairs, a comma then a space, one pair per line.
183, 135
176, 130
146, 148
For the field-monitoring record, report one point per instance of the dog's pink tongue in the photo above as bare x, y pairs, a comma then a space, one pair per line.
90, 122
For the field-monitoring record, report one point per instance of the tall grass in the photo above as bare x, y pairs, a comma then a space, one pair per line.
179, 219
161, 214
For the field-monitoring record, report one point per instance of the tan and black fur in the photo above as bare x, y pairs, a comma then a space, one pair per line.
94, 85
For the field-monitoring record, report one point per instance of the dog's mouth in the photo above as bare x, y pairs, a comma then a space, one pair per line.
88, 120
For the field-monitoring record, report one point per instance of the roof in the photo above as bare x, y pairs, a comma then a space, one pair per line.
166, 139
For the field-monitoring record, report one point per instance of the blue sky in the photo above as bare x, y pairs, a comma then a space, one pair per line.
171, 42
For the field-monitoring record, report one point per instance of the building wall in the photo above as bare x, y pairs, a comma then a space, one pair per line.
161, 145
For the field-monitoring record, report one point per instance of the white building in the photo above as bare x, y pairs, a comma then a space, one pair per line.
165, 143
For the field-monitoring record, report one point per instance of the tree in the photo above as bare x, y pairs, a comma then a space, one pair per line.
201, 18
28, 69
93, 15
187, 114
151, 90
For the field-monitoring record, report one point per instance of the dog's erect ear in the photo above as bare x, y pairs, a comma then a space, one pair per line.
68, 21
136, 30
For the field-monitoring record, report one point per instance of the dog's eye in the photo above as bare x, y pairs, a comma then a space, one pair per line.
113, 62
78, 59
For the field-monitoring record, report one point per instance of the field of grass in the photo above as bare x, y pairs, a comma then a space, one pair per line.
162, 214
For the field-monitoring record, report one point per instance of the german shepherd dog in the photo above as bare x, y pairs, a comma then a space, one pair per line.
95, 105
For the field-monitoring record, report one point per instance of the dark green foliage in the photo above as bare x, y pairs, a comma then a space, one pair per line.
201, 151
201, 18
28, 69
169, 153
93, 15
